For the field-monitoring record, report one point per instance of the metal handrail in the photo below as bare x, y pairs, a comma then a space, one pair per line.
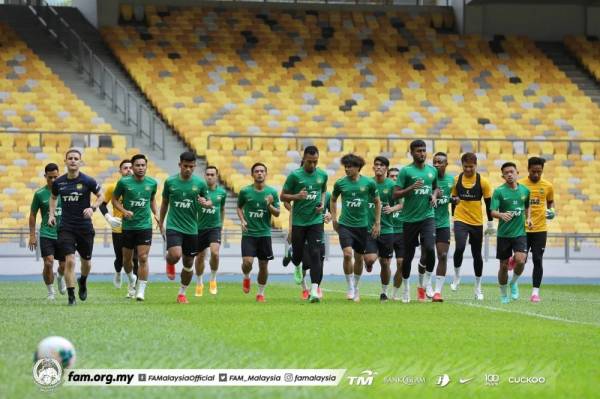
388, 140
122, 101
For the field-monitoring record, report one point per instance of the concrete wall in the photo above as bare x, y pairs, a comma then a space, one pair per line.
89, 9
108, 10
458, 6
538, 21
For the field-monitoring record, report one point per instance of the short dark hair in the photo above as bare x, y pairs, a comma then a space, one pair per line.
211, 167
51, 167
390, 170
440, 154
535, 161
123, 162
468, 157
383, 160
256, 165
417, 144
187, 156
311, 150
138, 156
75, 150
353, 160
508, 165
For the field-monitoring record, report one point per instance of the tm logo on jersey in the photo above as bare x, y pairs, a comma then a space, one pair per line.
209, 211
516, 213
312, 196
422, 191
256, 214
140, 203
355, 203
73, 197
185, 204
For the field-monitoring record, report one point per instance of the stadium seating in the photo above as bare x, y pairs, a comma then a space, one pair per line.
33, 99
218, 73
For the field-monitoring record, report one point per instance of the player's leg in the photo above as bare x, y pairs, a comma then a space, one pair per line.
199, 266
189, 250
48, 275
314, 242
519, 247
503, 253
66, 243
371, 253
85, 247
306, 266
174, 251
249, 252
348, 263
203, 244
135, 262
442, 247
537, 244
476, 241
300, 236
461, 233
385, 249
60, 272
411, 232
143, 271
127, 247
358, 265
117, 242
287, 250
264, 255
215, 248
399, 253
427, 240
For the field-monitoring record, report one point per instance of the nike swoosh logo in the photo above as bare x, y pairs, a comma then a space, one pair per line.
465, 380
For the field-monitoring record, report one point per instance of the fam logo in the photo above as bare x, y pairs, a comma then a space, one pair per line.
79, 186
366, 378
47, 373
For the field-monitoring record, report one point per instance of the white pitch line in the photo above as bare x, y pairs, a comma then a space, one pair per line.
525, 313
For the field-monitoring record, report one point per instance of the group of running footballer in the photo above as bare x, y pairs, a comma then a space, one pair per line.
387, 215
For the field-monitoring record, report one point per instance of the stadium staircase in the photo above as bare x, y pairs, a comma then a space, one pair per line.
566, 62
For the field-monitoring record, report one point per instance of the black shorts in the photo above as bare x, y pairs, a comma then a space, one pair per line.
463, 231
207, 237
257, 247
306, 256
133, 238
423, 231
187, 242
399, 245
506, 246
355, 237
382, 245
536, 242
442, 235
49, 247
81, 241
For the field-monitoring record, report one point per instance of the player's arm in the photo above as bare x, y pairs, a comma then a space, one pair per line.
52, 208
402, 190
116, 204
377, 224
240, 211
32, 216
273, 205
487, 199
321, 206
550, 212
529, 221
333, 208
505, 216
454, 198
154, 208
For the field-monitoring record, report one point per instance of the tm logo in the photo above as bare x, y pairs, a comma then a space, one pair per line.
185, 204
256, 214
73, 197
355, 203
422, 191
312, 196
209, 211
366, 378
138, 203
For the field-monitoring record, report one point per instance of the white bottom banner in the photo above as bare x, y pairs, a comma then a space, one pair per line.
203, 377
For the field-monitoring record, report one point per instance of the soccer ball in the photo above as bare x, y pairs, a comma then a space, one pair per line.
58, 348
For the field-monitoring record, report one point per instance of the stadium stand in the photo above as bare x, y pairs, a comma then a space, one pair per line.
277, 74
33, 99
587, 51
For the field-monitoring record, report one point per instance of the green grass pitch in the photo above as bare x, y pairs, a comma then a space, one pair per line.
558, 339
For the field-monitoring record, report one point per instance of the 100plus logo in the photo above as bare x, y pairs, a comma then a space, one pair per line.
366, 378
